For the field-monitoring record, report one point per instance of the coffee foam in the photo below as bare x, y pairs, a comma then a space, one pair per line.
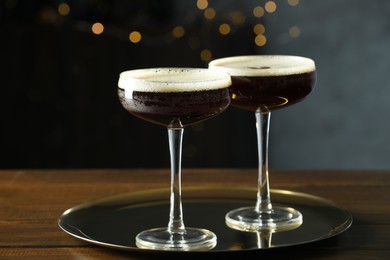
263, 65
173, 80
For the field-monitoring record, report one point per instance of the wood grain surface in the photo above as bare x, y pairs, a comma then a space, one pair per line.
31, 201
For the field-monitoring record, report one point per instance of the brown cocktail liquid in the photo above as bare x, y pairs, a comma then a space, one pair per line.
166, 108
270, 92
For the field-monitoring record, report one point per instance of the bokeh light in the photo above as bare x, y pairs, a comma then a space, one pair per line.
260, 40
224, 29
97, 28
206, 55
178, 31
238, 17
135, 36
259, 29
293, 2
210, 13
294, 31
258, 11
63, 9
270, 6
202, 4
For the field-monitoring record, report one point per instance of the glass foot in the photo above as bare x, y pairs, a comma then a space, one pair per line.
192, 239
278, 219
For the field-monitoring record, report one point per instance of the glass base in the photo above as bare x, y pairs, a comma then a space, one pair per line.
278, 219
192, 239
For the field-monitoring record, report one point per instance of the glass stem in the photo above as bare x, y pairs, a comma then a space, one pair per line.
263, 203
176, 224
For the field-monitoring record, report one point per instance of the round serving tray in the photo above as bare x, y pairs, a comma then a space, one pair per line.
115, 221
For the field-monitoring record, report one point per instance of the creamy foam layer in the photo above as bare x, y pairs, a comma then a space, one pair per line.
173, 80
263, 65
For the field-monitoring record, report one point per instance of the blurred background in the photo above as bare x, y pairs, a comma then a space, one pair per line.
61, 60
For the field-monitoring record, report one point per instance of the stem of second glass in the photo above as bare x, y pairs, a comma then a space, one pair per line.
263, 203
176, 223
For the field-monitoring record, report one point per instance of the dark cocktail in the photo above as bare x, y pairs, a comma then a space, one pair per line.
175, 98
165, 108
270, 92
260, 84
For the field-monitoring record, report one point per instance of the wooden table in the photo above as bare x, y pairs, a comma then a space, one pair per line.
31, 202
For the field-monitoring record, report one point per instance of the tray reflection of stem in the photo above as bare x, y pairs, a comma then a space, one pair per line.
264, 239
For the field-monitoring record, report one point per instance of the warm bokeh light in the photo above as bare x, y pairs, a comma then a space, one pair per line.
50, 16
258, 11
135, 36
230, 22
206, 55
209, 13
202, 4
293, 2
294, 31
238, 17
260, 40
224, 29
63, 9
97, 28
259, 29
178, 31
270, 6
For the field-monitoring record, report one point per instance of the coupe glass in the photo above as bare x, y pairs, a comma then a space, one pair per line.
175, 98
261, 84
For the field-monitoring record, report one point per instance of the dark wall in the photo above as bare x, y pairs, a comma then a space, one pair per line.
60, 108
345, 123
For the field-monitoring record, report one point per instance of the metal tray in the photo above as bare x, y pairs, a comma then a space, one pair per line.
115, 221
